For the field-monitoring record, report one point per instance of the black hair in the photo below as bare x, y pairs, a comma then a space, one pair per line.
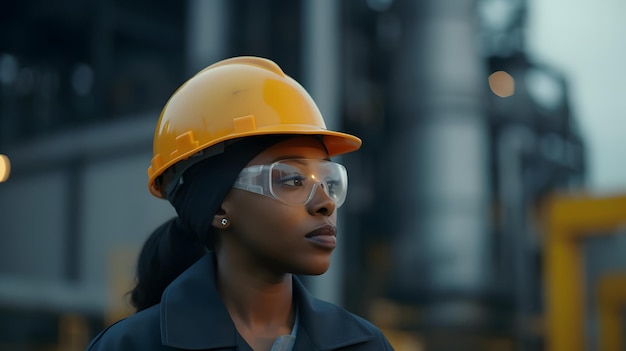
167, 252
181, 241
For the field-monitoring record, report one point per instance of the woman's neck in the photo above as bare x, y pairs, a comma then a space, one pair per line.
260, 303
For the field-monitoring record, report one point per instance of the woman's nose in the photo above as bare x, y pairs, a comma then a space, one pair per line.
321, 203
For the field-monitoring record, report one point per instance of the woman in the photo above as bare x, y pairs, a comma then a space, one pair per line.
242, 153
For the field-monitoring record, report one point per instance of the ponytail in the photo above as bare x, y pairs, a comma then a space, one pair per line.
167, 253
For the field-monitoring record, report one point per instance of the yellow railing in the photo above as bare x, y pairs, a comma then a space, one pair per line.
567, 220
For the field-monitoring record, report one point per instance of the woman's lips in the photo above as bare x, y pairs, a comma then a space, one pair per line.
324, 237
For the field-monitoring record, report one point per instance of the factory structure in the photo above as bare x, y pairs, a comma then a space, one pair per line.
466, 227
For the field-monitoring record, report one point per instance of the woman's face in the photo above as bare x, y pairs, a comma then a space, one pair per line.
279, 237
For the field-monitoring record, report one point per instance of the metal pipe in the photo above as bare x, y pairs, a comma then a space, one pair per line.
207, 28
438, 151
321, 62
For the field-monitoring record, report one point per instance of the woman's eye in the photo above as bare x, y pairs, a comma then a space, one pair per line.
292, 181
332, 186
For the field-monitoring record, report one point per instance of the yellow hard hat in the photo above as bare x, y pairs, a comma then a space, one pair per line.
234, 98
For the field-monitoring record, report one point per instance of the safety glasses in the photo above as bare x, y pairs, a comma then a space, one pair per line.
295, 181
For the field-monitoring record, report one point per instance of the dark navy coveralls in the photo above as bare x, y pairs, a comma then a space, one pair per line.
192, 316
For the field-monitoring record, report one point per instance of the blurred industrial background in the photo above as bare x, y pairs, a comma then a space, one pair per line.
471, 222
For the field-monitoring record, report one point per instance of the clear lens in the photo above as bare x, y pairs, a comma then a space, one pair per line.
295, 181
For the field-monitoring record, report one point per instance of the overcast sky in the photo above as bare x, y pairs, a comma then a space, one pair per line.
586, 40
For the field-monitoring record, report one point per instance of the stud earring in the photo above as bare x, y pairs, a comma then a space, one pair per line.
224, 221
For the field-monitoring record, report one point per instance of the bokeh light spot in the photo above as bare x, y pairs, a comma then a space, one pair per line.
5, 168
502, 84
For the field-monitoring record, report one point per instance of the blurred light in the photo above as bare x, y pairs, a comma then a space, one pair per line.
379, 5
8, 69
502, 84
82, 79
5, 168
544, 89
498, 14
